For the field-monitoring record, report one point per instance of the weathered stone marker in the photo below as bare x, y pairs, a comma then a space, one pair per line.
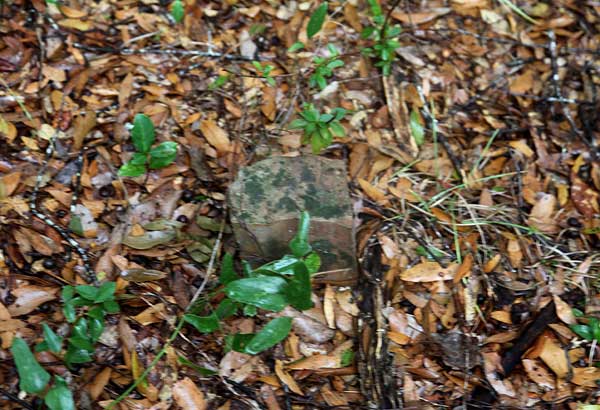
266, 200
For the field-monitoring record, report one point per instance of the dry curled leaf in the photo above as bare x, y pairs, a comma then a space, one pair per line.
188, 396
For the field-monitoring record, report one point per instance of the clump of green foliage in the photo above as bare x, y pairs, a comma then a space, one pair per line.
324, 67
264, 72
384, 37
590, 330
270, 287
85, 307
319, 129
143, 136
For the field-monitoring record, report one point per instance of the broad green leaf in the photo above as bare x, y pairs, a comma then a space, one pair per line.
96, 329
337, 129
577, 312
97, 312
32, 377
316, 20
309, 113
75, 225
367, 32
283, 266
163, 154
416, 128
237, 342
111, 306
347, 358
295, 47
142, 133
273, 332
59, 397
335, 64
228, 273
265, 292
325, 117
204, 324
139, 158
67, 293
131, 170
69, 312
75, 355
313, 262
299, 243
53, 341
81, 343
41, 347
249, 310
298, 291
298, 124
321, 82
177, 11
87, 291
583, 331
226, 308
106, 292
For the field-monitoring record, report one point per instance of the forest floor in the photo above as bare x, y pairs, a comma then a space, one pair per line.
473, 167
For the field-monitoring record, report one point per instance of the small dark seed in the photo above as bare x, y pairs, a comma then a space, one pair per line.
48, 264
183, 219
61, 213
187, 195
574, 222
107, 191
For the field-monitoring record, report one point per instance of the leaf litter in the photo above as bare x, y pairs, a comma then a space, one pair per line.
474, 168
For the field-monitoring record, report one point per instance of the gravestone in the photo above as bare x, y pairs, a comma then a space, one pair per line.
267, 198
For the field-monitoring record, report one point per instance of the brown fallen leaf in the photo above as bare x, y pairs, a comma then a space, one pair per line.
429, 272
286, 378
564, 311
188, 396
554, 357
29, 297
216, 136
586, 376
541, 216
96, 387
538, 373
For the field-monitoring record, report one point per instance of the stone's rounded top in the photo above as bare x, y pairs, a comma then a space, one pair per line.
265, 203
280, 188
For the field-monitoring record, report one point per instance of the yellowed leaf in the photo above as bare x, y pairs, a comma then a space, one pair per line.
564, 311
76, 24
8, 130
586, 376
8, 184
216, 136
515, 255
429, 272
286, 378
522, 147
501, 316
374, 193
554, 357
188, 396
71, 12
96, 387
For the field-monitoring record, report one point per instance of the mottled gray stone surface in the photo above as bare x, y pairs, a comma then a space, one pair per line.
266, 200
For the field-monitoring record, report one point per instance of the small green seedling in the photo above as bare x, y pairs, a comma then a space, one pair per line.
324, 67
177, 11
588, 331
264, 72
93, 303
219, 82
143, 136
384, 36
319, 129
271, 287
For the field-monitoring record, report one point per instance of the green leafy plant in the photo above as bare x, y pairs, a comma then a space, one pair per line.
271, 287
218, 82
85, 307
264, 72
589, 330
177, 11
143, 136
316, 20
384, 37
319, 129
324, 67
